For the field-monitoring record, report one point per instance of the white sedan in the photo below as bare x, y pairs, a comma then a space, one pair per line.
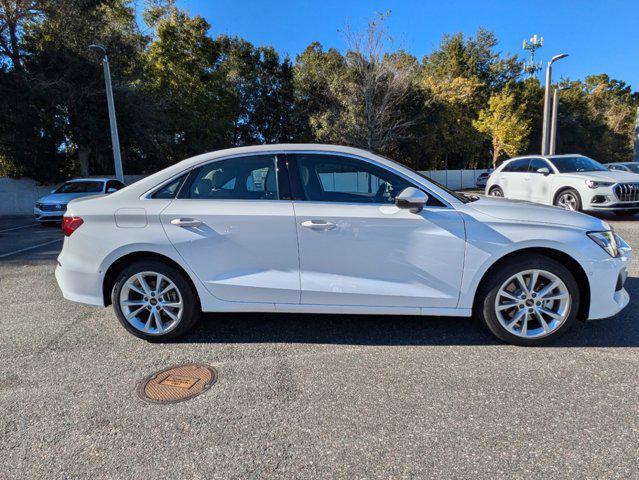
329, 229
571, 182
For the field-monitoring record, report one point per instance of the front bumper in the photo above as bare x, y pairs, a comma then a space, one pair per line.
49, 215
607, 294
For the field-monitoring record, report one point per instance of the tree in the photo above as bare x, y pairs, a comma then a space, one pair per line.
366, 97
504, 123
15, 16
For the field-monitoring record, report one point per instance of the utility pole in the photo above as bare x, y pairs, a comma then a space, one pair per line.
115, 139
545, 144
553, 120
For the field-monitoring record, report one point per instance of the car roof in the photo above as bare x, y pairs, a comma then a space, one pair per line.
622, 163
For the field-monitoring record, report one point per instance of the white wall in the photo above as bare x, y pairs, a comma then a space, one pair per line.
17, 195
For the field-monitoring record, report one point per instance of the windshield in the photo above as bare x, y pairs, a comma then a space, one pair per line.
633, 167
577, 164
80, 187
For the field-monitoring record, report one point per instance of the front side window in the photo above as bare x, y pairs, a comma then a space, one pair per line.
537, 163
80, 187
241, 178
335, 178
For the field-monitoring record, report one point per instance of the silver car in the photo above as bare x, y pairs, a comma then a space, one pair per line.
632, 167
51, 208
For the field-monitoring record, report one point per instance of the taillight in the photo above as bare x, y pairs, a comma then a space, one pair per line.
71, 224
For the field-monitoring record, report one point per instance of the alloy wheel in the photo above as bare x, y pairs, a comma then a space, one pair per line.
151, 303
533, 304
567, 201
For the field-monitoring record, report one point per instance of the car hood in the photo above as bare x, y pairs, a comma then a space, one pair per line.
609, 176
526, 212
63, 197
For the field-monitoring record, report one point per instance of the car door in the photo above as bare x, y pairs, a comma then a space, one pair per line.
538, 185
513, 179
357, 248
235, 227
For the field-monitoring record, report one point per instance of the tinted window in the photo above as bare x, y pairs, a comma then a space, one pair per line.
333, 178
242, 178
537, 163
114, 184
577, 164
171, 189
517, 166
80, 187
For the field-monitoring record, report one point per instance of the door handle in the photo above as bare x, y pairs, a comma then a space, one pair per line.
186, 222
318, 225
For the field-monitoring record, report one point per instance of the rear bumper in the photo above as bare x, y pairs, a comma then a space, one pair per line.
79, 286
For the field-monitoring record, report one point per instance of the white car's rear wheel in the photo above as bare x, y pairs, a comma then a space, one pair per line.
154, 301
529, 301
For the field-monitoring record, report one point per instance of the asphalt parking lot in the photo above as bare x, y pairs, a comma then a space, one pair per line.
306, 396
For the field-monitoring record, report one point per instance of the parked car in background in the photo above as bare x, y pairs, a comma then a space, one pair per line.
329, 229
482, 179
632, 167
571, 182
51, 208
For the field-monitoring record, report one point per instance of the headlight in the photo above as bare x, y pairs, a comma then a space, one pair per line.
612, 243
594, 184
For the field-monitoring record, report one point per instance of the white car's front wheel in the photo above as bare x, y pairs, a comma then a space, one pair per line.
569, 200
529, 300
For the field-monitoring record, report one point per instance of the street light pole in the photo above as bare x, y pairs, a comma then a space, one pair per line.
115, 140
553, 123
546, 120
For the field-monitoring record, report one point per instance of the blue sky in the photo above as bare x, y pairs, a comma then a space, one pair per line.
600, 36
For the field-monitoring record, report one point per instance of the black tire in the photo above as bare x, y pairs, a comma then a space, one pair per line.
487, 294
569, 191
191, 306
496, 192
626, 213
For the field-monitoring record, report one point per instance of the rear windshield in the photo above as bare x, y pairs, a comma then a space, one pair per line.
80, 187
577, 164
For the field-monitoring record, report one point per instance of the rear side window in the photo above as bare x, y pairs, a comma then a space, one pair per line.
242, 178
171, 189
518, 166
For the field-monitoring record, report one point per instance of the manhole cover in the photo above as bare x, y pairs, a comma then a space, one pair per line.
177, 383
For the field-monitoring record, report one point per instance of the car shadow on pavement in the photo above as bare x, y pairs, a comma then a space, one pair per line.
621, 330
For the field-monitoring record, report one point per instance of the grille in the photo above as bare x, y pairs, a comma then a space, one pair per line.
52, 208
627, 192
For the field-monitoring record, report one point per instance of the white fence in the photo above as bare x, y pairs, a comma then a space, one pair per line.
455, 179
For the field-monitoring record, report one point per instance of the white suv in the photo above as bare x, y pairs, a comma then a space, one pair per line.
572, 182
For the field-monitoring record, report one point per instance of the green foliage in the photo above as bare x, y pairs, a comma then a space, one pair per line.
180, 92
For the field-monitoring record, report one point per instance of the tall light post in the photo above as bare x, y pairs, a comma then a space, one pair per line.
546, 124
553, 120
115, 140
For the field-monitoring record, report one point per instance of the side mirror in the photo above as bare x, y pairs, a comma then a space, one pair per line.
543, 170
412, 199
111, 190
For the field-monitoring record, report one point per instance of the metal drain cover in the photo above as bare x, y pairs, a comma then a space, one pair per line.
177, 384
